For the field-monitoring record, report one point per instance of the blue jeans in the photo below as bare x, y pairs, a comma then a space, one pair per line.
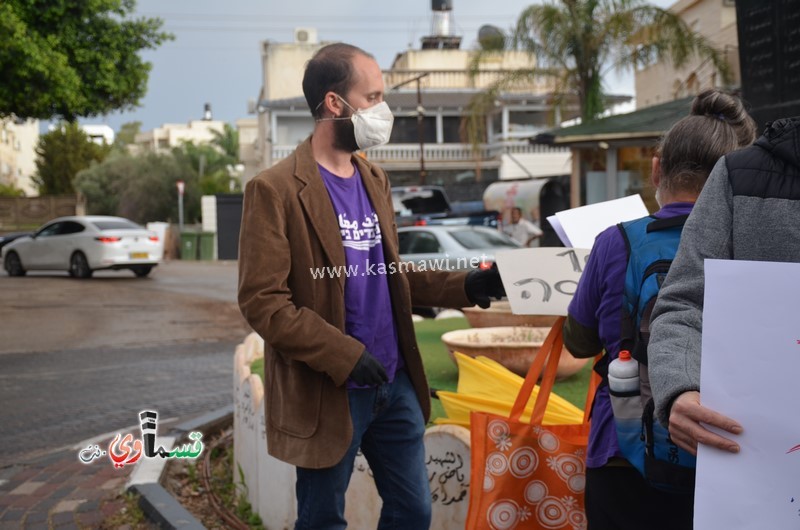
388, 426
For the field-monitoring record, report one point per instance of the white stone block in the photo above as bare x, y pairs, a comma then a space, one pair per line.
277, 502
271, 482
245, 435
449, 313
447, 456
362, 502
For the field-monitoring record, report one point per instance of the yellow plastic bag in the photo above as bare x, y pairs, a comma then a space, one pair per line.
487, 386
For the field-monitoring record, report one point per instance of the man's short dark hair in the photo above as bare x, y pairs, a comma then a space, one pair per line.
330, 70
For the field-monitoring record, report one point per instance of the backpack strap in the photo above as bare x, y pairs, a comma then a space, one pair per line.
635, 233
663, 224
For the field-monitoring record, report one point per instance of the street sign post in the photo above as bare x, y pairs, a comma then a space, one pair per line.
181, 187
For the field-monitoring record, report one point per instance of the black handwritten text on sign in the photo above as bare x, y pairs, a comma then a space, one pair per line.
541, 281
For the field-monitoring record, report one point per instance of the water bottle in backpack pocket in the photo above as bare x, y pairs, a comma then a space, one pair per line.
626, 402
643, 441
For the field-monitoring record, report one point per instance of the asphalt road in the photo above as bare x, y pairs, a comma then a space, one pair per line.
80, 358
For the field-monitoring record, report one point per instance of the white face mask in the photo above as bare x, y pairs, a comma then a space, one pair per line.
372, 126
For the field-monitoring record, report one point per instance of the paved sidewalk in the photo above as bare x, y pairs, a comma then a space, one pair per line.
59, 491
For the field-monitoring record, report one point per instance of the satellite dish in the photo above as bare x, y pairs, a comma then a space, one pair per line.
491, 38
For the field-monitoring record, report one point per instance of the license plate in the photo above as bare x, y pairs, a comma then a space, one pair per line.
139, 255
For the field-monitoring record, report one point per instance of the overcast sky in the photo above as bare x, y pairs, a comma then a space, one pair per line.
215, 55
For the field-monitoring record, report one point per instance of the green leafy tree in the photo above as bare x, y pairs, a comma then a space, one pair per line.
227, 141
212, 164
577, 42
141, 188
127, 134
61, 154
10, 190
62, 58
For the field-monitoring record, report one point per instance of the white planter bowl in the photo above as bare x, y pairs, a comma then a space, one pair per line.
499, 314
512, 346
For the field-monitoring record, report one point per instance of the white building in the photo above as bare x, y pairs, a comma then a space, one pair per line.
171, 135
436, 81
716, 21
99, 134
18, 140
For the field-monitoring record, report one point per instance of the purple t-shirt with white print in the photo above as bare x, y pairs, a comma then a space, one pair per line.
368, 306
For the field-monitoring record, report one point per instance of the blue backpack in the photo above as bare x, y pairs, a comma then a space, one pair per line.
651, 245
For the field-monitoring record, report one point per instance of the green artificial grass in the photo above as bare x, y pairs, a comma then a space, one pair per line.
442, 371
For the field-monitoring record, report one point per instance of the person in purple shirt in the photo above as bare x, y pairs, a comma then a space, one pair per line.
321, 280
617, 496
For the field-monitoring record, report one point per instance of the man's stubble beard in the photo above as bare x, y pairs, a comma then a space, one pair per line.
344, 135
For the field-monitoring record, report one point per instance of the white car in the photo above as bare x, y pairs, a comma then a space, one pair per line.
84, 244
452, 247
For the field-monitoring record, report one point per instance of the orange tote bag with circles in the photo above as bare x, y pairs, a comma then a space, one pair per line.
526, 476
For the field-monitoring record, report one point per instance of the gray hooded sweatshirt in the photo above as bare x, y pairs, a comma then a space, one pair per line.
748, 210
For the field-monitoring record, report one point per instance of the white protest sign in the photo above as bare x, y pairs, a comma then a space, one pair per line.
581, 225
749, 372
541, 281
559, 230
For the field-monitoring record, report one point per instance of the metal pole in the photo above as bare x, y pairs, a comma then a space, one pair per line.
420, 125
181, 185
180, 212
421, 132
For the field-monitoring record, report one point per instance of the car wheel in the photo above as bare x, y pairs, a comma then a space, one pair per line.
141, 271
79, 267
14, 265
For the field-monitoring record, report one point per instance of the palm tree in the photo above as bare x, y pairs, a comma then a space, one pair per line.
227, 141
577, 42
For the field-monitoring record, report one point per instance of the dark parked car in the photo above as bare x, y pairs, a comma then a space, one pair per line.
8, 238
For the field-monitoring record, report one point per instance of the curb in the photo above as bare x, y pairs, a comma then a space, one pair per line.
155, 501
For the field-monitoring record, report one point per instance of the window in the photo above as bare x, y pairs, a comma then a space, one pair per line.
419, 201
479, 239
49, 230
406, 131
418, 242
526, 121
451, 130
404, 241
116, 225
71, 227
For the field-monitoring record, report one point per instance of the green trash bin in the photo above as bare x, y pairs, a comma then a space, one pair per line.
206, 245
189, 244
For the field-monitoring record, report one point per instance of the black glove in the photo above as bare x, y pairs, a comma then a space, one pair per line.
368, 371
483, 283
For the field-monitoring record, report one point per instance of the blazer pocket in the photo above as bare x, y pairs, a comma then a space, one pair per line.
295, 398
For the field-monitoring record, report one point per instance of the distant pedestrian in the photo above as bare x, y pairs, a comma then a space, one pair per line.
520, 229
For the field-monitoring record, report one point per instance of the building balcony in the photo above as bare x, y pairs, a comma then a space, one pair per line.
439, 156
461, 80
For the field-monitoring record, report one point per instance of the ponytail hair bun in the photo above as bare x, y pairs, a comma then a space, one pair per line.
717, 124
728, 109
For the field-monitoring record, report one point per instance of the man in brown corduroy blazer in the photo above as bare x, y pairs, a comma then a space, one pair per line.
342, 366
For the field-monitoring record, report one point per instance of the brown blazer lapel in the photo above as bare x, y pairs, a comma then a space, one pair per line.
384, 210
317, 205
